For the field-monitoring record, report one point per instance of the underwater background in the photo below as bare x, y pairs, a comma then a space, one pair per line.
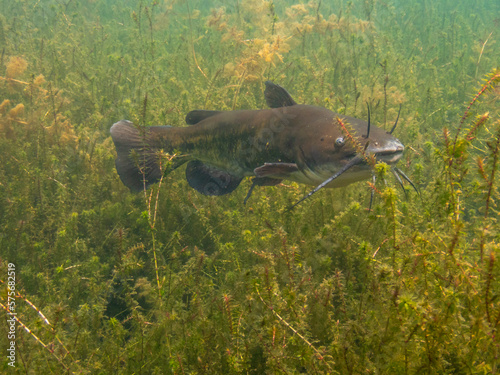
173, 282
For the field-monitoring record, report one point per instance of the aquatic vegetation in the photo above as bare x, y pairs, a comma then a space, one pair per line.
15, 67
170, 281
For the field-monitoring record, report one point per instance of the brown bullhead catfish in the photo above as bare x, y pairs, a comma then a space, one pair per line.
289, 141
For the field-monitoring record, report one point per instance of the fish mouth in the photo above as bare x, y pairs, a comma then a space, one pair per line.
389, 157
390, 154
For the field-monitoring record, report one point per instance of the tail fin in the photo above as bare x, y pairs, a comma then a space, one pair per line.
137, 161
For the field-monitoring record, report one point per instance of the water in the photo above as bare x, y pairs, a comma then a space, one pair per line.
173, 281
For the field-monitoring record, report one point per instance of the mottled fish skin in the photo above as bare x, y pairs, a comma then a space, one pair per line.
295, 142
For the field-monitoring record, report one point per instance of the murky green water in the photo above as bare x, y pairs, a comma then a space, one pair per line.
171, 281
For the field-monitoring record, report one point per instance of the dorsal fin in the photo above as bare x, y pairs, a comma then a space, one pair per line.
198, 115
277, 96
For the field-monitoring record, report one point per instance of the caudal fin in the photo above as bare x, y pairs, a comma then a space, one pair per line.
137, 161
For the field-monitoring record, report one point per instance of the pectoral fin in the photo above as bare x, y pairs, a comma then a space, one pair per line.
276, 170
209, 180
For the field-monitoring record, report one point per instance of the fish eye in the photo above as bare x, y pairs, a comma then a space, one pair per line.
339, 142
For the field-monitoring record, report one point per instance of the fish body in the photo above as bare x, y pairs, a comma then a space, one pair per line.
302, 143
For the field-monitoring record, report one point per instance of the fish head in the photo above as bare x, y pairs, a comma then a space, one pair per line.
379, 143
339, 141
